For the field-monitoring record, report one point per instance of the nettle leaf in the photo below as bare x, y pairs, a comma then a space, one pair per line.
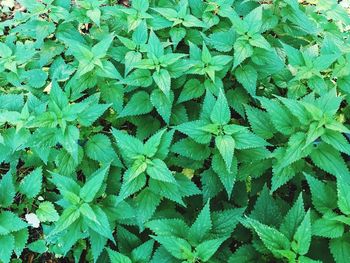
163, 104
130, 146
247, 76
226, 145
192, 89
293, 219
227, 178
46, 212
343, 188
99, 148
221, 112
10, 223
31, 184
158, 170
8, 244
242, 51
139, 104
340, 248
93, 185
163, 80
201, 227
177, 247
7, 190
323, 195
274, 240
147, 123
302, 237
116, 257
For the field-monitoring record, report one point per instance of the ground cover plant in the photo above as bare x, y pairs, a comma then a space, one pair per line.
174, 131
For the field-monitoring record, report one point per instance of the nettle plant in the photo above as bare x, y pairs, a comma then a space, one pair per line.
174, 131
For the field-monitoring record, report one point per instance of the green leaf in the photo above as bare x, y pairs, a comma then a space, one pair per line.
68, 217
102, 226
247, 76
154, 46
46, 212
260, 122
337, 140
329, 228
192, 89
153, 143
323, 196
100, 49
6, 248
293, 219
158, 170
176, 246
98, 243
163, 104
9, 222
274, 240
226, 145
145, 203
245, 253
207, 249
137, 168
302, 237
38, 246
163, 81
282, 120
242, 51
202, 226
343, 189
69, 140
190, 149
129, 145
340, 248
92, 186
31, 184
21, 238
88, 116
139, 104
143, 252
94, 15
7, 190
116, 257
330, 160
227, 178
221, 112
99, 148
194, 129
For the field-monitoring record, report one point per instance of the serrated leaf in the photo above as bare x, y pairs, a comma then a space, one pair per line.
226, 145
7, 190
158, 170
46, 212
163, 104
201, 227
92, 186
176, 246
340, 248
302, 237
139, 104
31, 184
272, 238
221, 112
99, 148
247, 76
163, 81
6, 248
116, 257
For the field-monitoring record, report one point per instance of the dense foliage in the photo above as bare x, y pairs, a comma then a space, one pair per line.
174, 131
